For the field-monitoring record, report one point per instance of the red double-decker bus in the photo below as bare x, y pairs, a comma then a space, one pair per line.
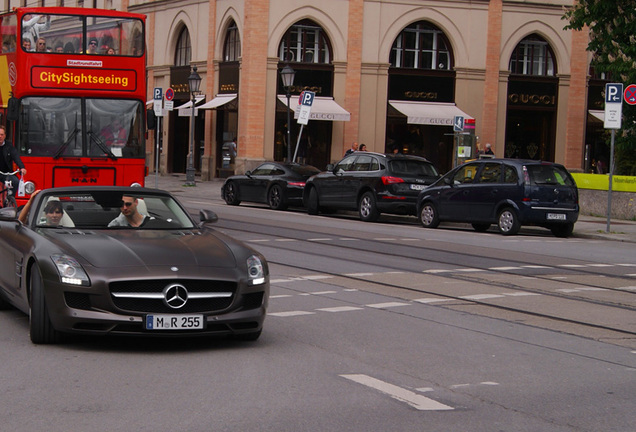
72, 95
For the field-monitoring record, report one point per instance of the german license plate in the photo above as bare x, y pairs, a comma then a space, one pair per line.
174, 322
417, 186
556, 216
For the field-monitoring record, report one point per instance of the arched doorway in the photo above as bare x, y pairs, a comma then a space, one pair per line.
421, 95
532, 101
306, 48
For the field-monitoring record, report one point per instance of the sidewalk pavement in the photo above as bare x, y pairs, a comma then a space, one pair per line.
586, 227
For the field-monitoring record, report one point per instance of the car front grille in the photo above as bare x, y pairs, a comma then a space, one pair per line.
147, 296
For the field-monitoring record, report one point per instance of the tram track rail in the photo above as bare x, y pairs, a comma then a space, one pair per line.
301, 235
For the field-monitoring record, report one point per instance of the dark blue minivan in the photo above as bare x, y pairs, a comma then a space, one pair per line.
506, 192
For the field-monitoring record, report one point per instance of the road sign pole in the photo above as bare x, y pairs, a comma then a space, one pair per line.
611, 175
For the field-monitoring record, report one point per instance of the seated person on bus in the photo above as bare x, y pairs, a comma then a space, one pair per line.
92, 46
114, 134
40, 45
26, 44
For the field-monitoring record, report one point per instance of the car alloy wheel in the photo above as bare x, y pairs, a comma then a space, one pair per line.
367, 209
428, 216
508, 222
231, 194
275, 198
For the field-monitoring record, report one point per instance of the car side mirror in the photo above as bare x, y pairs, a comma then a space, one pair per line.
248, 173
448, 181
329, 167
207, 216
8, 213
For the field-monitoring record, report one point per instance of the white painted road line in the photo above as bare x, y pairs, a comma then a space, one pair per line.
387, 305
340, 309
290, 313
417, 401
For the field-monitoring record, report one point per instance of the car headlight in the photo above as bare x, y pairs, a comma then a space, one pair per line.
70, 271
255, 270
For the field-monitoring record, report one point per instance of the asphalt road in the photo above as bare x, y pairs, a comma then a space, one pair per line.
371, 327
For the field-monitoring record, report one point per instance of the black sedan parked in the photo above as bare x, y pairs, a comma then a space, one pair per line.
130, 261
276, 184
371, 183
506, 192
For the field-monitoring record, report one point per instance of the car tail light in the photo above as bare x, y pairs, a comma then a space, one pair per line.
391, 180
299, 184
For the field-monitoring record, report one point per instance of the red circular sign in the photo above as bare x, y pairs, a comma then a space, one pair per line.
169, 94
630, 94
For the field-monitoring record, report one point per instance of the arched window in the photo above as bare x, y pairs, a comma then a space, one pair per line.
305, 42
183, 52
232, 47
421, 46
533, 56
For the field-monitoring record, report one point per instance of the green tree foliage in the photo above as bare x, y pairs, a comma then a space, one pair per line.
612, 25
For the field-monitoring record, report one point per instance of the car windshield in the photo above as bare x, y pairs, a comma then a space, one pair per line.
111, 210
412, 168
549, 175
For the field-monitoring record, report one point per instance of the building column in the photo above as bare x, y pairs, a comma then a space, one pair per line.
207, 159
577, 102
353, 76
253, 83
492, 85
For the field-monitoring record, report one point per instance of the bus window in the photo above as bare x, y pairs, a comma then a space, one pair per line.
50, 127
115, 36
115, 125
9, 38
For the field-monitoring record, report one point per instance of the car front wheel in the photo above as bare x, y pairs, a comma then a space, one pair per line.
42, 331
276, 198
429, 218
367, 208
231, 195
508, 222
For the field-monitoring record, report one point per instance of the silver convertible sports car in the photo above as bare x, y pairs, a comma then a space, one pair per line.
129, 261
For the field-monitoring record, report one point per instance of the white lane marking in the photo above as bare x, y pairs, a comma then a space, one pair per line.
504, 268
571, 290
432, 300
521, 294
320, 239
290, 313
358, 274
631, 274
536, 267
279, 296
601, 265
469, 270
571, 265
387, 305
285, 240
410, 239
627, 265
257, 240
627, 288
384, 239
437, 271
348, 239
340, 309
318, 293
316, 277
417, 401
481, 296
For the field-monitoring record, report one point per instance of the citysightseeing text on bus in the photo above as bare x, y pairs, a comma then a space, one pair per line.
81, 78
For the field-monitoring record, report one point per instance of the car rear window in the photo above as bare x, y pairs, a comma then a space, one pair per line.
412, 168
548, 175
305, 170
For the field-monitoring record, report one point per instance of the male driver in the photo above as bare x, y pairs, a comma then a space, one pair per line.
130, 216
8, 155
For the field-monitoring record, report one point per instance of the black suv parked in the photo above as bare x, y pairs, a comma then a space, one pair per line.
506, 192
371, 183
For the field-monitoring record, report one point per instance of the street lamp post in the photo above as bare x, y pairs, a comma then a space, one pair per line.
287, 75
194, 82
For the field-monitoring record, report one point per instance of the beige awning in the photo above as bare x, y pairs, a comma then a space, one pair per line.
188, 104
323, 108
598, 114
219, 100
429, 113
